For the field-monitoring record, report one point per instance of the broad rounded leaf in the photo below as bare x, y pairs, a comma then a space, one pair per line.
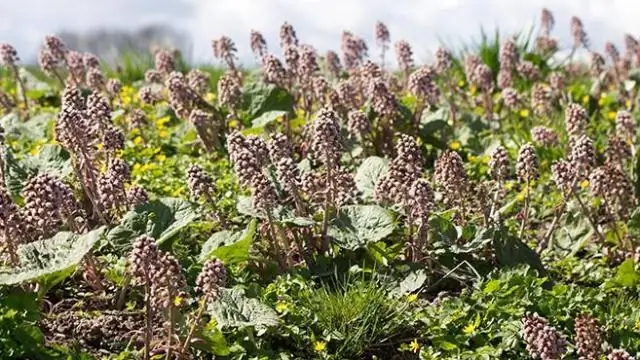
244, 205
355, 226
267, 118
368, 174
46, 258
233, 309
160, 219
230, 247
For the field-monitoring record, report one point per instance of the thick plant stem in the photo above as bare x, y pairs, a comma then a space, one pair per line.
170, 326
147, 318
23, 89
327, 204
554, 223
194, 324
525, 215
274, 240
586, 213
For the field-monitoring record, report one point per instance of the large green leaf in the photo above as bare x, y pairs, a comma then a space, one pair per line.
52, 159
260, 98
35, 128
50, 259
626, 276
511, 251
267, 118
368, 174
285, 215
160, 219
230, 247
233, 309
355, 226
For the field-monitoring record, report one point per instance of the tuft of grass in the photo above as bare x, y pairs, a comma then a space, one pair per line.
358, 315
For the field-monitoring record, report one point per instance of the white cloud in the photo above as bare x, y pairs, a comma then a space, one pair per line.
319, 22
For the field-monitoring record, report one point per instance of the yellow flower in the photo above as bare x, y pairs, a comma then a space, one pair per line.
472, 89
178, 300
412, 298
520, 196
584, 183
414, 346
210, 96
163, 133
461, 83
585, 99
282, 307
137, 140
35, 151
455, 145
319, 346
601, 102
524, 113
473, 158
485, 159
611, 115
161, 157
627, 104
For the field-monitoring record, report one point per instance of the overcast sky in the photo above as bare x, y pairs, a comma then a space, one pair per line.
24, 23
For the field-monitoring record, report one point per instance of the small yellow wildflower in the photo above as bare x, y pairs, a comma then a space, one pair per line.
638, 325
233, 123
473, 159
414, 346
282, 307
178, 300
524, 113
412, 298
485, 159
520, 196
137, 140
163, 133
461, 83
611, 115
627, 104
602, 102
161, 157
210, 96
585, 99
584, 183
319, 346
472, 89
455, 145
35, 151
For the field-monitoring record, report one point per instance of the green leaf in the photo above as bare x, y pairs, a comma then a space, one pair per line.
368, 174
244, 205
412, 282
14, 173
511, 251
626, 276
51, 259
233, 309
355, 226
52, 159
492, 286
267, 118
229, 247
160, 219
260, 98
35, 128
213, 340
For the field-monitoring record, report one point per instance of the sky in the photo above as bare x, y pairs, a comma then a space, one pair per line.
423, 23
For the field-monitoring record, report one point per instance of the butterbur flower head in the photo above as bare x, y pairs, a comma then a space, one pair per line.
546, 20
114, 86
95, 80
229, 93
258, 44
264, 194
557, 82
575, 119
578, 33
212, 278
505, 80
451, 177
198, 81
113, 139
137, 118
499, 164
165, 61
111, 185
55, 47
619, 354
597, 64
544, 136
91, 61
511, 97
527, 164
153, 76
8, 55
326, 144
307, 64
625, 124
354, 50
382, 100
358, 123
612, 51
589, 337
224, 48
383, 37
75, 63
618, 150
543, 341
444, 60
136, 196
47, 62
166, 281
528, 70
404, 55
421, 84
541, 97
274, 72
564, 176
333, 65
612, 183
144, 255
508, 55
199, 182
483, 77
422, 200
288, 35
6, 102
583, 154
279, 147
